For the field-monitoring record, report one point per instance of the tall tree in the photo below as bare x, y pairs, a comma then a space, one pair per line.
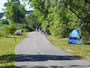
32, 21
63, 15
15, 12
81, 9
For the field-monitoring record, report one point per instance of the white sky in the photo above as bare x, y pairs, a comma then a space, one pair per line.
2, 6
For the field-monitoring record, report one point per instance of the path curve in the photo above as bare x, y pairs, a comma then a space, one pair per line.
36, 51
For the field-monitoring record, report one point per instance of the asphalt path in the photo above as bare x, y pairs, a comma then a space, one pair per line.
36, 51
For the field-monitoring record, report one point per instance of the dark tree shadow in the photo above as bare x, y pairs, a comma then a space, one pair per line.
33, 58
39, 67
7, 58
23, 58
36, 58
69, 66
88, 43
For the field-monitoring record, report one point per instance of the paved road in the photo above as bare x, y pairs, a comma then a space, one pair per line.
37, 52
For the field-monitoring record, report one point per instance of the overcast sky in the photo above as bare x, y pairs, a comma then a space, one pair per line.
2, 5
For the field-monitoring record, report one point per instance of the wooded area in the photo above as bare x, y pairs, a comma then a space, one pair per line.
62, 16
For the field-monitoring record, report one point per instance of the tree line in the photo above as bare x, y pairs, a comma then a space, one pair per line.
62, 16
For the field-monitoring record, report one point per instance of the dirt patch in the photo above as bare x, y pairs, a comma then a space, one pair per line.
68, 50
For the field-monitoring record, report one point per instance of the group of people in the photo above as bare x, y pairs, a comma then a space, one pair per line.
45, 31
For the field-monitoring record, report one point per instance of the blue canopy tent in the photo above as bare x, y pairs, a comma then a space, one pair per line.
74, 37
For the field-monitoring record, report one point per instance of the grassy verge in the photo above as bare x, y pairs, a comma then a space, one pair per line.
7, 50
79, 50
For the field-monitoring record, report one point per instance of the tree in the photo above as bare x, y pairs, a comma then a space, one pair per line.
15, 12
81, 9
4, 21
62, 15
32, 21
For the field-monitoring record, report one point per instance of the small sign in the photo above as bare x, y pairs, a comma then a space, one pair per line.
13, 30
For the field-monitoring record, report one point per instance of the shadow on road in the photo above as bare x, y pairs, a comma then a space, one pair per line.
37, 58
75, 66
39, 67
31, 58
71, 66
34, 58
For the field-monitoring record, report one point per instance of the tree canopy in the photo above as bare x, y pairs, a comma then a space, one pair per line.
15, 11
62, 16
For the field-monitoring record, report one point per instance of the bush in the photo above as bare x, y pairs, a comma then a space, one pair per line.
4, 30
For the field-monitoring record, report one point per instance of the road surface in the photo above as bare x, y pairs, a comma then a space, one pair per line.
36, 51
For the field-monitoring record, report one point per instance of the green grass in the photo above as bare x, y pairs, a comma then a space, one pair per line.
7, 50
78, 50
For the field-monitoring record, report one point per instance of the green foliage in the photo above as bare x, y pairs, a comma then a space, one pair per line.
81, 9
62, 16
32, 21
15, 12
4, 30
2, 21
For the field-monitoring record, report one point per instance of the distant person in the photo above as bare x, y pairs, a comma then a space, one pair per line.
46, 31
40, 29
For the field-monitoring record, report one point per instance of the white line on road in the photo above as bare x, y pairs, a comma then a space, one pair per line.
35, 45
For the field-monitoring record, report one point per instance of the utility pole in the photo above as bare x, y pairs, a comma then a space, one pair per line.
16, 11
16, 3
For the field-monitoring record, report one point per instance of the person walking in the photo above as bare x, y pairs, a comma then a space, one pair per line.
46, 31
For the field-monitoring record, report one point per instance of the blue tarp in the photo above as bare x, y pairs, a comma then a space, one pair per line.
74, 37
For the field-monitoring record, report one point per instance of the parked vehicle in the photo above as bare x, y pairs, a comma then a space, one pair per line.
74, 37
